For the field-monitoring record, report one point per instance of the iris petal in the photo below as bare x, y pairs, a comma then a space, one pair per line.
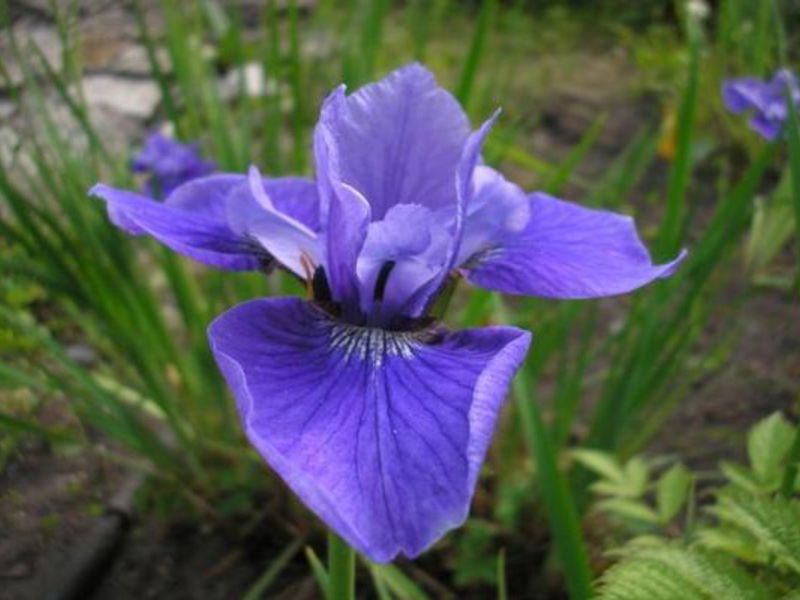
744, 94
396, 141
195, 231
168, 163
415, 243
766, 99
422, 299
766, 126
208, 218
499, 209
253, 215
568, 251
381, 434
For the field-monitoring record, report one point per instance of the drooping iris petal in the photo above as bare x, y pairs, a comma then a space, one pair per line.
568, 251
194, 231
396, 141
416, 245
382, 434
204, 218
168, 163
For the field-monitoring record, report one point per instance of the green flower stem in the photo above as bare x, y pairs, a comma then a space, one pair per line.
341, 569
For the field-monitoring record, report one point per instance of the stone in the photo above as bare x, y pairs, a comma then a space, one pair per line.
255, 84
130, 97
82, 354
27, 36
7, 109
133, 60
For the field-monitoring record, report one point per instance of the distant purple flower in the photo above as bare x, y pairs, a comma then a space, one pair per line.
168, 163
376, 416
765, 99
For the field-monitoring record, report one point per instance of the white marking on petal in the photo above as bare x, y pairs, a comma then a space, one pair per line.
372, 343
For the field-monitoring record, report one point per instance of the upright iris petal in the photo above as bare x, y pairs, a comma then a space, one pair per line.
766, 100
378, 417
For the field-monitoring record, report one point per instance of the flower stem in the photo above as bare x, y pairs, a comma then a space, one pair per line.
341, 569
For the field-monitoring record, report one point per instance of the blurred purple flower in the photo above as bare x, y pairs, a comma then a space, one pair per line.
765, 99
376, 416
168, 163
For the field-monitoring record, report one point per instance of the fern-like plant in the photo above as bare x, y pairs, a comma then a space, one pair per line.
746, 545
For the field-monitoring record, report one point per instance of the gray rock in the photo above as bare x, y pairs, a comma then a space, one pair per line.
51, 8
254, 82
114, 22
27, 37
82, 354
7, 109
133, 60
130, 97
319, 44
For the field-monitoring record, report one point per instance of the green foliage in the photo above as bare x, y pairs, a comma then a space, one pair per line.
771, 229
748, 545
475, 557
768, 444
672, 491
155, 391
628, 493
664, 572
392, 583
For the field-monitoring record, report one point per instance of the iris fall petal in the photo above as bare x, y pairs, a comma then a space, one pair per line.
568, 251
352, 420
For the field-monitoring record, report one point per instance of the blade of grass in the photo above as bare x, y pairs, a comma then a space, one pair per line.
275, 568
397, 582
673, 224
475, 52
319, 572
556, 496
659, 316
296, 83
565, 170
793, 143
502, 587
156, 71
15, 424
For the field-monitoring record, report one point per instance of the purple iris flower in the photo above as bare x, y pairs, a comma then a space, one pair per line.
378, 417
765, 99
168, 163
